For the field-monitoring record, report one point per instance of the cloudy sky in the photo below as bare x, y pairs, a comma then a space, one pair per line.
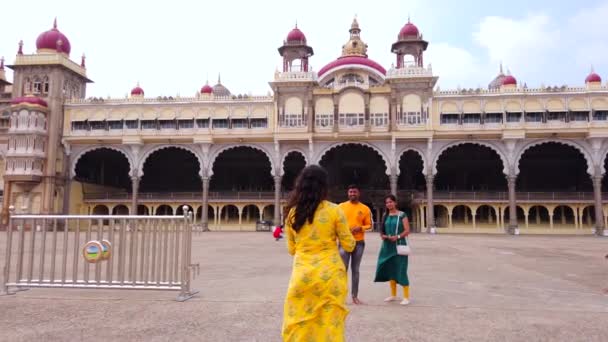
173, 47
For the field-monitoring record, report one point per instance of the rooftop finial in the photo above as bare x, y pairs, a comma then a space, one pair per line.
296, 23
55, 23
20, 51
408, 18
82, 63
2, 63
501, 72
219, 79
592, 70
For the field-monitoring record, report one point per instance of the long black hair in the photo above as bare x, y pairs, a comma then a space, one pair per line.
310, 189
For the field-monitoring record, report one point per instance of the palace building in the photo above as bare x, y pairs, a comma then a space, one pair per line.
506, 158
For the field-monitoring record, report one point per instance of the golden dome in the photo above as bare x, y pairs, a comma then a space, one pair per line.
355, 46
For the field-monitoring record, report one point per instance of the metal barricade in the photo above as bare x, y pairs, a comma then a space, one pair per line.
100, 252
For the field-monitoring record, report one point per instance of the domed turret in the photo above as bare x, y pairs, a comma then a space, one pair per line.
53, 41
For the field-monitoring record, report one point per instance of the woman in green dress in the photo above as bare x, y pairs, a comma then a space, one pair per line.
391, 266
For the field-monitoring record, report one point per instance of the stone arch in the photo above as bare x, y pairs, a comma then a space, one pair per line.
503, 158
273, 168
100, 209
305, 155
389, 166
570, 143
413, 149
94, 148
120, 209
144, 157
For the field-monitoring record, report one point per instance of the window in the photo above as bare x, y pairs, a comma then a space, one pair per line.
534, 117
600, 115
294, 120
115, 124
46, 86
167, 124
493, 118
98, 125
240, 123
579, 116
37, 86
148, 124
352, 119
379, 119
220, 123
79, 126
259, 123
413, 118
185, 124
202, 123
556, 116
471, 118
131, 124
513, 117
324, 120
449, 119
351, 78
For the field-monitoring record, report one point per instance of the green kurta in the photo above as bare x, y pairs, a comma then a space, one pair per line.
392, 266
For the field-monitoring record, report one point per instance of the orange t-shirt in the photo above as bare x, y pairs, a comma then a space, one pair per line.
357, 215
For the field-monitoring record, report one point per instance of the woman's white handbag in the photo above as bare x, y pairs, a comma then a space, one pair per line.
402, 249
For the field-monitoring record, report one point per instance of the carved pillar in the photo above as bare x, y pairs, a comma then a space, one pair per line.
277, 200
597, 195
511, 181
67, 185
135, 186
393, 180
429, 204
205, 204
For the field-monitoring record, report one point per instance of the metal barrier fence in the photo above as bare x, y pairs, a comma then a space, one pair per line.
100, 252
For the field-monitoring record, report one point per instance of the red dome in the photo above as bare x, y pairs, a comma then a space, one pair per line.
296, 36
593, 77
29, 100
352, 60
48, 40
408, 31
206, 89
137, 91
509, 80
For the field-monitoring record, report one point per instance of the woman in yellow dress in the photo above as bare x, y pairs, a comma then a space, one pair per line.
315, 306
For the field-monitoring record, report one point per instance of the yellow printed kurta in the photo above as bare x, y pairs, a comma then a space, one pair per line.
315, 306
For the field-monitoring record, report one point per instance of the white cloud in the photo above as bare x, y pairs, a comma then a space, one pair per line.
456, 66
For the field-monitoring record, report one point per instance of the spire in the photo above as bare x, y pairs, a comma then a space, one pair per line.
2, 63
20, 51
219, 79
55, 24
82, 64
501, 72
408, 19
296, 23
592, 70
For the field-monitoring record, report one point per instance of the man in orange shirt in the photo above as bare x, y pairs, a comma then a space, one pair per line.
359, 220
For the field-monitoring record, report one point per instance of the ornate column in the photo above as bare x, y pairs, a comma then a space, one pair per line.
277, 200
135, 187
67, 184
597, 195
429, 204
393, 180
205, 204
512, 228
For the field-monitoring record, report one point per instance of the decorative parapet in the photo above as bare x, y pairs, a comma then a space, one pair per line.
50, 59
295, 76
519, 90
410, 72
171, 99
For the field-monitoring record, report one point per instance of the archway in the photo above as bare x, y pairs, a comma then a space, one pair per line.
588, 216
441, 216
462, 216
143, 210
242, 168
551, 167
292, 165
210, 213
171, 169
538, 215
101, 209
470, 167
120, 209
229, 214
411, 175
521, 217
164, 210
563, 216
251, 214
103, 170
486, 216
356, 164
268, 213
180, 210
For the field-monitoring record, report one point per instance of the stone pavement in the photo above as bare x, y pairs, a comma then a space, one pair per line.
464, 288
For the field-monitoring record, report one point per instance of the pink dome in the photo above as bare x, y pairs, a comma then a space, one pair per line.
137, 91
29, 100
509, 80
593, 77
408, 31
48, 40
206, 89
296, 36
352, 60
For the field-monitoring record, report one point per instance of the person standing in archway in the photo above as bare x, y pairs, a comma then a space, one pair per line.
359, 220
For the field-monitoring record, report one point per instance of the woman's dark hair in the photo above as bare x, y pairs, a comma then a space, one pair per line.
391, 196
310, 189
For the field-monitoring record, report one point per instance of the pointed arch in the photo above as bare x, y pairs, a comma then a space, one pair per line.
94, 148
570, 143
502, 156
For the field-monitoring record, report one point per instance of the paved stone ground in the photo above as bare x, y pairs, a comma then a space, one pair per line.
464, 288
